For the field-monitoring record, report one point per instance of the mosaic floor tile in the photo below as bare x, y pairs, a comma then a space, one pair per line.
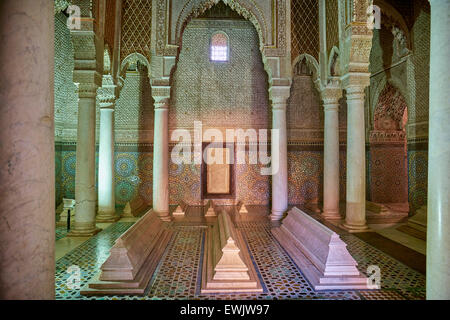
179, 272
61, 232
89, 256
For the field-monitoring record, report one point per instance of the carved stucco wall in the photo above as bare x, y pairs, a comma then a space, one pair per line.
222, 95
134, 109
65, 90
304, 28
390, 64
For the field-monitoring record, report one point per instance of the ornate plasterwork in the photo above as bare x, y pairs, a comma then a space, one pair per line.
61, 5
305, 27
334, 65
88, 48
356, 38
313, 66
331, 94
131, 61
250, 9
136, 27
108, 93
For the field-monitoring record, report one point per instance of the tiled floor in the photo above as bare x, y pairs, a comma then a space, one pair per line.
179, 272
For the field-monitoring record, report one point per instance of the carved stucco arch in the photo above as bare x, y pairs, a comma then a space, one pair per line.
133, 58
312, 64
334, 51
377, 90
246, 8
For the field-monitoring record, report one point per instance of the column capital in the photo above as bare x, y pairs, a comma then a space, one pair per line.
160, 92
355, 84
87, 90
355, 92
330, 96
161, 102
277, 94
108, 93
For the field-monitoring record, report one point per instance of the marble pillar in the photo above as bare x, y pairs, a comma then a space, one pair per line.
355, 217
330, 97
27, 157
106, 196
85, 195
438, 225
161, 158
279, 146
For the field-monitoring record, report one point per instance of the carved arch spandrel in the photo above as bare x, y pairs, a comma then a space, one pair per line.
249, 9
246, 8
313, 65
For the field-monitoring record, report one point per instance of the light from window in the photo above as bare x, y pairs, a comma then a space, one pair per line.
219, 47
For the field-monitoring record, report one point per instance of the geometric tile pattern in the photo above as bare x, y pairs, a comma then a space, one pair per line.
134, 178
332, 28
179, 271
305, 176
61, 232
89, 256
417, 178
305, 27
136, 28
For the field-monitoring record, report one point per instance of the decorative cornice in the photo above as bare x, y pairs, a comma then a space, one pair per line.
397, 136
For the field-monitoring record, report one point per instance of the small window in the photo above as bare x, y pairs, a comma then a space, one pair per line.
219, 47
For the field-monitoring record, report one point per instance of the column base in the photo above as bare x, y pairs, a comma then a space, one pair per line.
83, 233
164, 216
276, 217
355, 228
107, 217
331, 215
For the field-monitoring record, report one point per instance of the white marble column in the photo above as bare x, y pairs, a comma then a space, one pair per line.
279, 146
438, 225
27, 157
355, 217
330, 97
106, 196
85, 195
161, 158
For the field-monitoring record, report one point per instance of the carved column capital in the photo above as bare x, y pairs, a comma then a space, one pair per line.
108, 93
330, 96
279, 95
87, 90
161, 103
355, 92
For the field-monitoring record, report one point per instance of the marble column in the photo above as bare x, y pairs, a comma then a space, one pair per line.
355, 217
85, 195
106, 196
330, 97
161, 158
27, 157
438, 225
279, 146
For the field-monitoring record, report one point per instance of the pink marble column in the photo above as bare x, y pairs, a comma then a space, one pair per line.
355, 216
161, 158
330, 97
279, 177
27, 157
